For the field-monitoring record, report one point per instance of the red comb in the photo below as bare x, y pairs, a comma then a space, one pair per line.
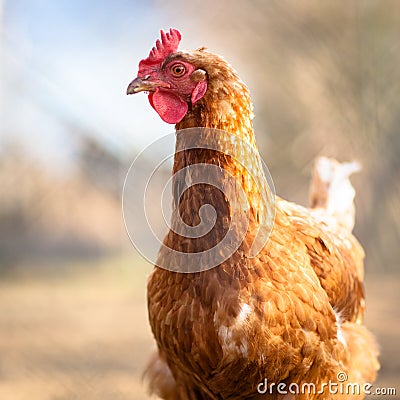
169, 44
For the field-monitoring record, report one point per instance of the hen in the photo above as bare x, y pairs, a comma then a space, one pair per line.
252, 327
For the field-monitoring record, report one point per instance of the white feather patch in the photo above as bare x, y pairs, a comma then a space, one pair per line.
231, 337
339, 333
244, 312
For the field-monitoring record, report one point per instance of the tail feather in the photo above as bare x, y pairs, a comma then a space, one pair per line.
331, 192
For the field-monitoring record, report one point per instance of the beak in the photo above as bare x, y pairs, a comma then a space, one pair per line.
141, 85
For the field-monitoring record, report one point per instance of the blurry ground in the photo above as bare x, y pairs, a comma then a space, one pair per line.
83, 333
383, 318
78, 334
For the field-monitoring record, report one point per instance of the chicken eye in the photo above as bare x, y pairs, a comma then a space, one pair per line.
178, 70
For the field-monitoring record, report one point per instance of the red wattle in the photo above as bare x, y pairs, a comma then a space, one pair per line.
170, 107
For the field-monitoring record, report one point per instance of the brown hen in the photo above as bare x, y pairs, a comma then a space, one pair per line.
290, 315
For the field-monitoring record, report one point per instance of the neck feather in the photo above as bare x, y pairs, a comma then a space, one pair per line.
225, 107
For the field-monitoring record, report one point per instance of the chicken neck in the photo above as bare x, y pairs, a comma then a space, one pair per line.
230, 145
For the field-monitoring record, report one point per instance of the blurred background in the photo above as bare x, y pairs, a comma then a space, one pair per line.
325, 78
